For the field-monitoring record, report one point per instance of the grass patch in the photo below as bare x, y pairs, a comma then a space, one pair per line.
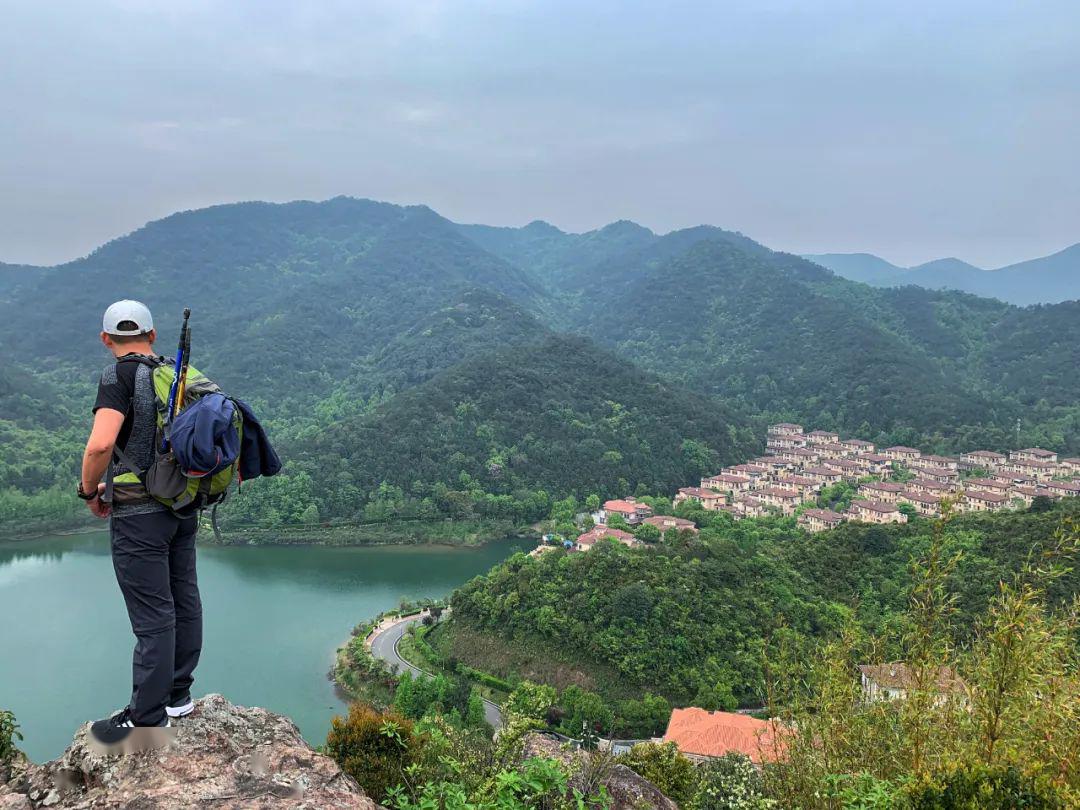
531, 660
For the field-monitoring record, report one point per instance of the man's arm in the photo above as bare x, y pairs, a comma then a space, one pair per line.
99, 447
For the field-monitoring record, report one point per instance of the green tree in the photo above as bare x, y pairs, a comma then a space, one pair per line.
665, 767
374, 748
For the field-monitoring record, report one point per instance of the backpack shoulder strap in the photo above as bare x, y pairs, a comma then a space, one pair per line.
152, 362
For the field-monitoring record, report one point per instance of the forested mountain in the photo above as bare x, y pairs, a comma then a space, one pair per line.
559, 415
688, 617
351, 317
1049, 279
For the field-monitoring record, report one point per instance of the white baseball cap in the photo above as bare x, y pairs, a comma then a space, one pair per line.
134, 311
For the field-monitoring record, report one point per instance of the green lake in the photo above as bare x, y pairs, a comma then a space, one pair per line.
273, 615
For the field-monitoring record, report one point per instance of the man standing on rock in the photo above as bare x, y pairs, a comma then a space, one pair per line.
153, 549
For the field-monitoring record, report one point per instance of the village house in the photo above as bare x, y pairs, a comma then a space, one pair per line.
785, 441
833, 450
894, 681
848, 469
923, 462
822, 437
880, 491
785, 429
876, 512
875, 464
751, 505
1062, 489
981, 460
772, 463
666, 523
901, 453
797, 483
942, 475
591, 538
989, 485
822, 475
1023, 496
799, 456
783, 499
923, 502
817, 520
1033, 454
858, 445
1043, 470
1070, 466
727, 483
702, 735
632, 511
1038, 470
930, 487
1011, 478
754, 472
710, 499
976, 500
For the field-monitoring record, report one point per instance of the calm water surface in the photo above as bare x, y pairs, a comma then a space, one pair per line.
273, 619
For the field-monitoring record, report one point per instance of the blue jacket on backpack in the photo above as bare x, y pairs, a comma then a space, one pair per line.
203, 437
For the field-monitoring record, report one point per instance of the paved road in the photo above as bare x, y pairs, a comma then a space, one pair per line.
384, 646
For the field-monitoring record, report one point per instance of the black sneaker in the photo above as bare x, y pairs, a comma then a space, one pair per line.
114, 730
180, 708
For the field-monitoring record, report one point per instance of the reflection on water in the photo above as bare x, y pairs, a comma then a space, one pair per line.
273, 617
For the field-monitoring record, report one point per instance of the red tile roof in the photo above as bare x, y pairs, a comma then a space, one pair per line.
713, 734
828, 515
627, 507
601, 532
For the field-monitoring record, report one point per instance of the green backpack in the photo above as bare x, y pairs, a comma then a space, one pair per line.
164, 480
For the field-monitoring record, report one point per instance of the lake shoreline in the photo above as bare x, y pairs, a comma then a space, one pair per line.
450, 534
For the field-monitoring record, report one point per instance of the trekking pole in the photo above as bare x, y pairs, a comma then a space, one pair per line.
182, 390
170, 406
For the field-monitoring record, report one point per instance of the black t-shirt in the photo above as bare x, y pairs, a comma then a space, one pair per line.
128, 387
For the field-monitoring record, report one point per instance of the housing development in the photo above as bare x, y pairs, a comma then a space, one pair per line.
799, 465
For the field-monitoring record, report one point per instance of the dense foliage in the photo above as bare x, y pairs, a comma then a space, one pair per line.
691, 618
407, 369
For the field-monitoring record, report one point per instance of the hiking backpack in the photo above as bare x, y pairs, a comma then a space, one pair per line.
196, 470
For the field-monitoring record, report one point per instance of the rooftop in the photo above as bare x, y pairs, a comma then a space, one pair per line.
896, 675
713, 734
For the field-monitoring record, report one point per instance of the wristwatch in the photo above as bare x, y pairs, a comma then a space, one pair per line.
85, 496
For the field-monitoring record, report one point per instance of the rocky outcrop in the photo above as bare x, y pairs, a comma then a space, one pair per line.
221, 756
626, 789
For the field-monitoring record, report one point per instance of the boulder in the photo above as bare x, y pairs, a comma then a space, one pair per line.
221, 756
627, 789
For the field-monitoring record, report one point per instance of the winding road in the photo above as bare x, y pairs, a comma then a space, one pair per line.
384, 646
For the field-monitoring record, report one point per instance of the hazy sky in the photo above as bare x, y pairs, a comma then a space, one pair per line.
909, 129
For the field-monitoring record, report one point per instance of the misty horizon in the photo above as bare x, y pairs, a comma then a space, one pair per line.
913, 133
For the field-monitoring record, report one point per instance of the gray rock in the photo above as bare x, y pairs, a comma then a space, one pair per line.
221, 756
627, 789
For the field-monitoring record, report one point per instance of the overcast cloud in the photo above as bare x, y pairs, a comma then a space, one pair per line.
912, 130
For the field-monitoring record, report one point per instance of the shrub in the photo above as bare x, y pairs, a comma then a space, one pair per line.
9, 735
976, 787
730, 782
665, 767
374, 748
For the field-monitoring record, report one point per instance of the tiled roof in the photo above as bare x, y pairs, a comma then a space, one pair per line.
874, 506
713, 734
896, 675
828, 515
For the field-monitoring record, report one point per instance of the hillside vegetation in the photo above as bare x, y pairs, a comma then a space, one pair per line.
357, 329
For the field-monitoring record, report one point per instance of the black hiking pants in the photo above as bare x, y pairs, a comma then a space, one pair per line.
154, 559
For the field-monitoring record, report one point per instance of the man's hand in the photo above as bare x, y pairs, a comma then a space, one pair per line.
97, 506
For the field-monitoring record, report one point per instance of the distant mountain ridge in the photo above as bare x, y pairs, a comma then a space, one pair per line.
1044, 280
359, 328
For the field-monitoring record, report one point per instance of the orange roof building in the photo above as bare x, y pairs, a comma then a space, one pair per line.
704, 734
